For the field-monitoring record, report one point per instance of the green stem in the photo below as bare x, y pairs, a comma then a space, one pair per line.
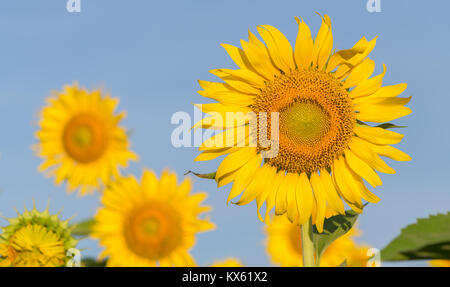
307, 245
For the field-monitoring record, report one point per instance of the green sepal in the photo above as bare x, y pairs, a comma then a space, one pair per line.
211, 175
390, 126
383, 126
333, 228
83, 228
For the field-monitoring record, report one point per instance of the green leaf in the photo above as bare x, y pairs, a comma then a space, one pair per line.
333, 228
429, 238
83, 228
91, 262
211, 175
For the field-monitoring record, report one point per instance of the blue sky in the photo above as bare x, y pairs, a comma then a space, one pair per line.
150, 54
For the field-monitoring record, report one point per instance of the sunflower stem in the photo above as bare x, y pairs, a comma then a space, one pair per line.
307, 245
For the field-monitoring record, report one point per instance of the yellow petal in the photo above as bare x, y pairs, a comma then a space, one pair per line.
281, 198
357, 184
319, 194
226, 179
303, 46
234, 161
227, 139
386, 101
238, 56
343, 57
380, 110
333, 198
280, 49
362, 168
214, 86
384, 92
209, 155
360, 73
248, 76
258, 57
150, 181
378, 135
229, 98
242, 86
345, 183
369, 86
389, 151
304, 198
215, 108
270, 191
262, 178
323, 43
381, 113
244, 176
361, 148
292, 210
343, 70
367, 194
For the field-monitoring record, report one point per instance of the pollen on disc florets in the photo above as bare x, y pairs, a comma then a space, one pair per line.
316, 119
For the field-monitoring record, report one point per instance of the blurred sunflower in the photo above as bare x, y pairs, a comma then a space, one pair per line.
440, 263
35, 239
322, 99
229, 262
284, 246
152, 223
80, 139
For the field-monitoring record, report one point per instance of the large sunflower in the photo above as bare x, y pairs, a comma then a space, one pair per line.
152, 223
80, 139
284, 246
323, 100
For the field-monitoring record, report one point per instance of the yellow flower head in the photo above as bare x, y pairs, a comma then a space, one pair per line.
80, 139
36, 239
320, 101
229, 262
151, 223
285, 247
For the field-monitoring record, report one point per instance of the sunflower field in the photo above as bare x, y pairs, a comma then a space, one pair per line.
224, 134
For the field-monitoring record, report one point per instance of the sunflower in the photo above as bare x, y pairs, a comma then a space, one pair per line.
152, 223
440, 263
229, 262
322, 103
80, 139
284, 246
36, 239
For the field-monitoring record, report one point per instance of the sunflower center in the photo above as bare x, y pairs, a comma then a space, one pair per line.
150, 226
305, 122
316, 119
153, 231
84, 138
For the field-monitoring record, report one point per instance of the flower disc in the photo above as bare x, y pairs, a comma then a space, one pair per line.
316, 119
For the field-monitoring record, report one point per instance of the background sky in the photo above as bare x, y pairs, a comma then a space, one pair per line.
150, 54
